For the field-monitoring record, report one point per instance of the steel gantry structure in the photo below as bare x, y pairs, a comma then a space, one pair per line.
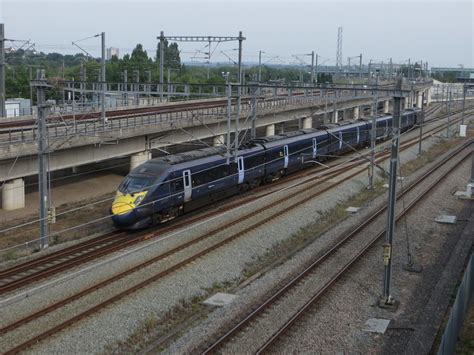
206, 39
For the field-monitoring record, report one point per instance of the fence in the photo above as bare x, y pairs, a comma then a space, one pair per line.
460, 307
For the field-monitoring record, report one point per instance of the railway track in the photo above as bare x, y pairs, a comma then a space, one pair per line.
40, 268
302, 292
134, 112
305, 193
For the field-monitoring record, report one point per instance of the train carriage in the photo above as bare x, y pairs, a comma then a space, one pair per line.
163, 188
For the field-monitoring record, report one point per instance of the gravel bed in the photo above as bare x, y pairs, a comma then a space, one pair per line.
337, 323
118, 321
222, 318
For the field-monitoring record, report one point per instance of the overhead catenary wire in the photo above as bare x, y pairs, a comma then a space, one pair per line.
109, 199
171, 180
255, 201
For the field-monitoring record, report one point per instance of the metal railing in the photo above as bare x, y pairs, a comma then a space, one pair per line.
459, 309
78, 126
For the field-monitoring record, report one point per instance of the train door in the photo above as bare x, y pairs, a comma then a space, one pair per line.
187, 185
241, 168
315, 147
285, 152
358, 135
340, 139
386, 128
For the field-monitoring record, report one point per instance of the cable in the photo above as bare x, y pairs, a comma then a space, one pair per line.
87, 205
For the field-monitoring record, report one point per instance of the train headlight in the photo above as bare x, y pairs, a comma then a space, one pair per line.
138, 200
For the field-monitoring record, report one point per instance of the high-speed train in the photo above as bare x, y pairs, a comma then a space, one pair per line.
163, 188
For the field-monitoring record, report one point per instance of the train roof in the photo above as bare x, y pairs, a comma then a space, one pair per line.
152, 167
193, 155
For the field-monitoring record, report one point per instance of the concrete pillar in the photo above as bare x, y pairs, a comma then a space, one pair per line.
218, 140
336, 116
428, 97
139, 158
407, 102
270, 130
386, 106
419, 98
356, 113
13, 194
307, 122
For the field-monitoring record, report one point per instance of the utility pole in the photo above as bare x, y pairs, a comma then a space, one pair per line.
422, 121
259, 66
339, 49
162, 62
316, 68
368, 70
104, 85
373, 135
253, 129
449, 113
229, 115
240, 39
136, 74
463, 102
41, 85
391, 69
148, 87
387, 299
3, 111
125, 80
30, 77
239, 92
83, 76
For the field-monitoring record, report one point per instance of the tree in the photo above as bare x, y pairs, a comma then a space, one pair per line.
171, 54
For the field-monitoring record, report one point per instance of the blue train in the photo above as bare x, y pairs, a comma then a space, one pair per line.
163, 188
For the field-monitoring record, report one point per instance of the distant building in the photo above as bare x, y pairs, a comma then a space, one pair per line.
18, 107
460, 74
111, 52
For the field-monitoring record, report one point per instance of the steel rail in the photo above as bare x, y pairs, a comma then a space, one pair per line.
160, 257
98, 251
317, 296
348, 236
122, 243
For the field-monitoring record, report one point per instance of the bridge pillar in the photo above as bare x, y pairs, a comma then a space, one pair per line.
386, 106
428, 97
336, 116
139, 158
13, 194
270, 130
307, 122
419, 98
356, 112
218, 140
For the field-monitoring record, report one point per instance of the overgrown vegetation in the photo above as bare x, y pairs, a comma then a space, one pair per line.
139, 62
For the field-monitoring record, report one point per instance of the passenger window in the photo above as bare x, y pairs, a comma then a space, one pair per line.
178, 184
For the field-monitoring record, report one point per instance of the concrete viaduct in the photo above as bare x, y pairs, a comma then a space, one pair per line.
79, 143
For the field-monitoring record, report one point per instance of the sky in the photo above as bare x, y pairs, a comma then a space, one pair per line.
440, 32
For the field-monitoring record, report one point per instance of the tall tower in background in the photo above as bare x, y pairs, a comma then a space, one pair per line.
339, 49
